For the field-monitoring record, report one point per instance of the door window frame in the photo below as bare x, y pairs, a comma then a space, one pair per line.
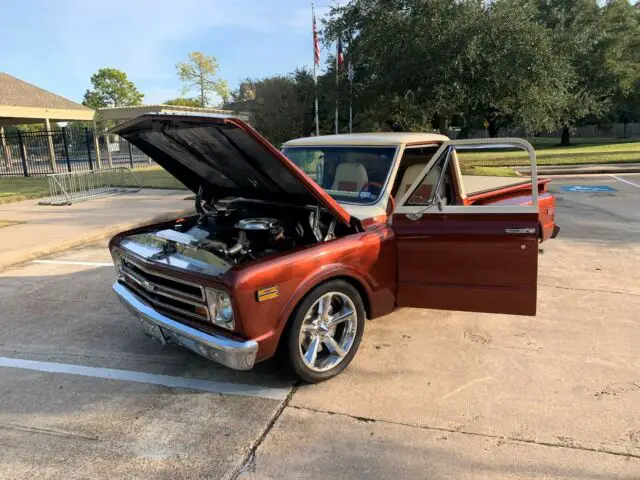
403, 208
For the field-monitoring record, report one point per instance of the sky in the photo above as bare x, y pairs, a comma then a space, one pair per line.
57, 45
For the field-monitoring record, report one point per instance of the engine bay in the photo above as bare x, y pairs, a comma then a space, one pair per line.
240, 231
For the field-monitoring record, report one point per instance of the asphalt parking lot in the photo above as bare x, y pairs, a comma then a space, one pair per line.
85, 394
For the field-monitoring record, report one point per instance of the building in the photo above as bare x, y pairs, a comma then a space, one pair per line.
23, 103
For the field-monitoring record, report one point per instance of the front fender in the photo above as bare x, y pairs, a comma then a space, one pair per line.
367, 258
324, 274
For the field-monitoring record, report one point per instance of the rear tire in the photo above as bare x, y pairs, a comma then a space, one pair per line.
324, 333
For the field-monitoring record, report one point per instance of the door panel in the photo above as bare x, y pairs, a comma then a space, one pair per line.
478, 262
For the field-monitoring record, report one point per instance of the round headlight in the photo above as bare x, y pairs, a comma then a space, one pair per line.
224, 310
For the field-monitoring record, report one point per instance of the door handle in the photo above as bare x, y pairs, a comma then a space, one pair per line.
519, 230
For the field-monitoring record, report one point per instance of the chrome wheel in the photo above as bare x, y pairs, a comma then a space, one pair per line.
328, 331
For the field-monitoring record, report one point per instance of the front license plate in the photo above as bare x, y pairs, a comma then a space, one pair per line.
154, 332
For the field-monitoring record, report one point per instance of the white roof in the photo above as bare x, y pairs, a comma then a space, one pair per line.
376, 138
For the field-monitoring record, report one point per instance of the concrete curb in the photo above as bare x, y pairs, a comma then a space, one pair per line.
586, 172
24, 256
591, 169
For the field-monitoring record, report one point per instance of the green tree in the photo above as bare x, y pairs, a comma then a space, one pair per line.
276, 111
510, 75
627, 108
601, 44
444, 60
246, 91
111, 88
183, 102
393, 89
199, 73
281, 107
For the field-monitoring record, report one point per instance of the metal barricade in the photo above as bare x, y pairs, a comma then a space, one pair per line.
66, 188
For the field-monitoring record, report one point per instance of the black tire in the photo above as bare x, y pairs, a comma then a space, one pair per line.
289, 354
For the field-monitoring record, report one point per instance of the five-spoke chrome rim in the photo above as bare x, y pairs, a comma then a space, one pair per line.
328, 331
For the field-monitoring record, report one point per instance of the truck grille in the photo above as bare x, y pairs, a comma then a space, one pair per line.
165, 293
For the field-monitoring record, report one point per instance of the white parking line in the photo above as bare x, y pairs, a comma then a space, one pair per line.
74, 262
225, 388
624, 180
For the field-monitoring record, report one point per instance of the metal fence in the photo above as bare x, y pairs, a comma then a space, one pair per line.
33, 154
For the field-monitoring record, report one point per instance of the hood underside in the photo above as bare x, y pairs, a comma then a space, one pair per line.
226, 158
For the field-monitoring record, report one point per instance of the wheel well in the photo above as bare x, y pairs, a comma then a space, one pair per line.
366, 301
358, 286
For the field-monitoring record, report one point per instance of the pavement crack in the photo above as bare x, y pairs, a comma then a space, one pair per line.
562, 444
589, 290
47, 431
249, 462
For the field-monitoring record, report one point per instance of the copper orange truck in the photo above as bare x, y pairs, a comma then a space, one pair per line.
291, 250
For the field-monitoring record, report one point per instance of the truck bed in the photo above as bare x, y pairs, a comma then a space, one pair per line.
474, 184
489, 190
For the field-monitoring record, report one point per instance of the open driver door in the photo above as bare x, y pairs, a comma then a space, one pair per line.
472, 258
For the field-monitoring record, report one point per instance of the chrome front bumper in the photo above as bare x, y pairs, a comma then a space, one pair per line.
236, 354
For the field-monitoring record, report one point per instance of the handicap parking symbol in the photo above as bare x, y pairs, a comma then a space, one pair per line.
588, 188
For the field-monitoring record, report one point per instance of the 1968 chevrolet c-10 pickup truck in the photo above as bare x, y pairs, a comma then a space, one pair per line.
291, 250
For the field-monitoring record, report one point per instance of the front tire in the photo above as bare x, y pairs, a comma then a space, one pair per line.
325, 332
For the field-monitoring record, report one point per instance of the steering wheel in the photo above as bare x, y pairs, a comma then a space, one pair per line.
370, 190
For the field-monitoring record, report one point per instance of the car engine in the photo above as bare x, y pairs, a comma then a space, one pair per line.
236, 235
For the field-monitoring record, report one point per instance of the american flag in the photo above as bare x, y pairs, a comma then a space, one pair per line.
316, 43
340, 56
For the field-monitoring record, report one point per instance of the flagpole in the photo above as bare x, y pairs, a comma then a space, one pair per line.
337, 82
350, 75
317, 121
315, 73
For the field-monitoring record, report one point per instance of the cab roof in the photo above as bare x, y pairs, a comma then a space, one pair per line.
376, 138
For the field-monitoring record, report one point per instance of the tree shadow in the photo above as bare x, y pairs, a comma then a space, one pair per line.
331, 446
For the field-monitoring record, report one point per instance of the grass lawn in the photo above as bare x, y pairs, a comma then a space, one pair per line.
492, 171
16, 189
156, 177
548, 152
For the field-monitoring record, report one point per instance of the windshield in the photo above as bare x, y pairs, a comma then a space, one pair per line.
349, 174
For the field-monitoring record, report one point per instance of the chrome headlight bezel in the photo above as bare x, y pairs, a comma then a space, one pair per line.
117, 263
217, 303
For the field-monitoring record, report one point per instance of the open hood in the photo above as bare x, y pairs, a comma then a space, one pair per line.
226, 157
